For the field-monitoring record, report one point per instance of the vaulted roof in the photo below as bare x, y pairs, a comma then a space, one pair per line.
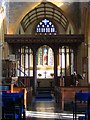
45, 10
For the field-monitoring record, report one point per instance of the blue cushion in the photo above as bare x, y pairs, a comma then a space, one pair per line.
81, 118
11, 116
82, 96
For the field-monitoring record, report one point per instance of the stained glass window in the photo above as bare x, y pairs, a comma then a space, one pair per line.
41, 54
45, 56
50, 57
45, 26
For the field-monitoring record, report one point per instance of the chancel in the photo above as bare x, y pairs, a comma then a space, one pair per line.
45, 60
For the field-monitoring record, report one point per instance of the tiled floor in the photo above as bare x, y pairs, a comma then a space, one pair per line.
46, 110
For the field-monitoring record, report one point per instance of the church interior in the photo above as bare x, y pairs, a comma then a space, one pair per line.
44, 60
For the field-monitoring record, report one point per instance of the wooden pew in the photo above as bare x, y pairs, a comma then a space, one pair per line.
9, 88
17, 90
67, 94
27, 95
13, 105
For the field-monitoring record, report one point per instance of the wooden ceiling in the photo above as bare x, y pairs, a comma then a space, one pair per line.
45, 10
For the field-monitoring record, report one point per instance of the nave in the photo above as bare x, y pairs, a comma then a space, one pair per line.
44, 44
44, 107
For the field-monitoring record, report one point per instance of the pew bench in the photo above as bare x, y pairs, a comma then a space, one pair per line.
67, 94
13, 106
17, 90
9, 88
80, 105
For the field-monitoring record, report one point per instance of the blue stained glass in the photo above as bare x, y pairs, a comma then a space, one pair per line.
45, 21
51, 29
42, 25
39, 29
48, 29
45, 50
45, 26
50, 23
43, 29
38, 25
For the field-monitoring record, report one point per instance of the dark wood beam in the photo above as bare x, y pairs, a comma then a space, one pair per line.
62, 39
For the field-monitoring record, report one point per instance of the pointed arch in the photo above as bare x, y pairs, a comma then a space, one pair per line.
45, 64
45, 26
45, 10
